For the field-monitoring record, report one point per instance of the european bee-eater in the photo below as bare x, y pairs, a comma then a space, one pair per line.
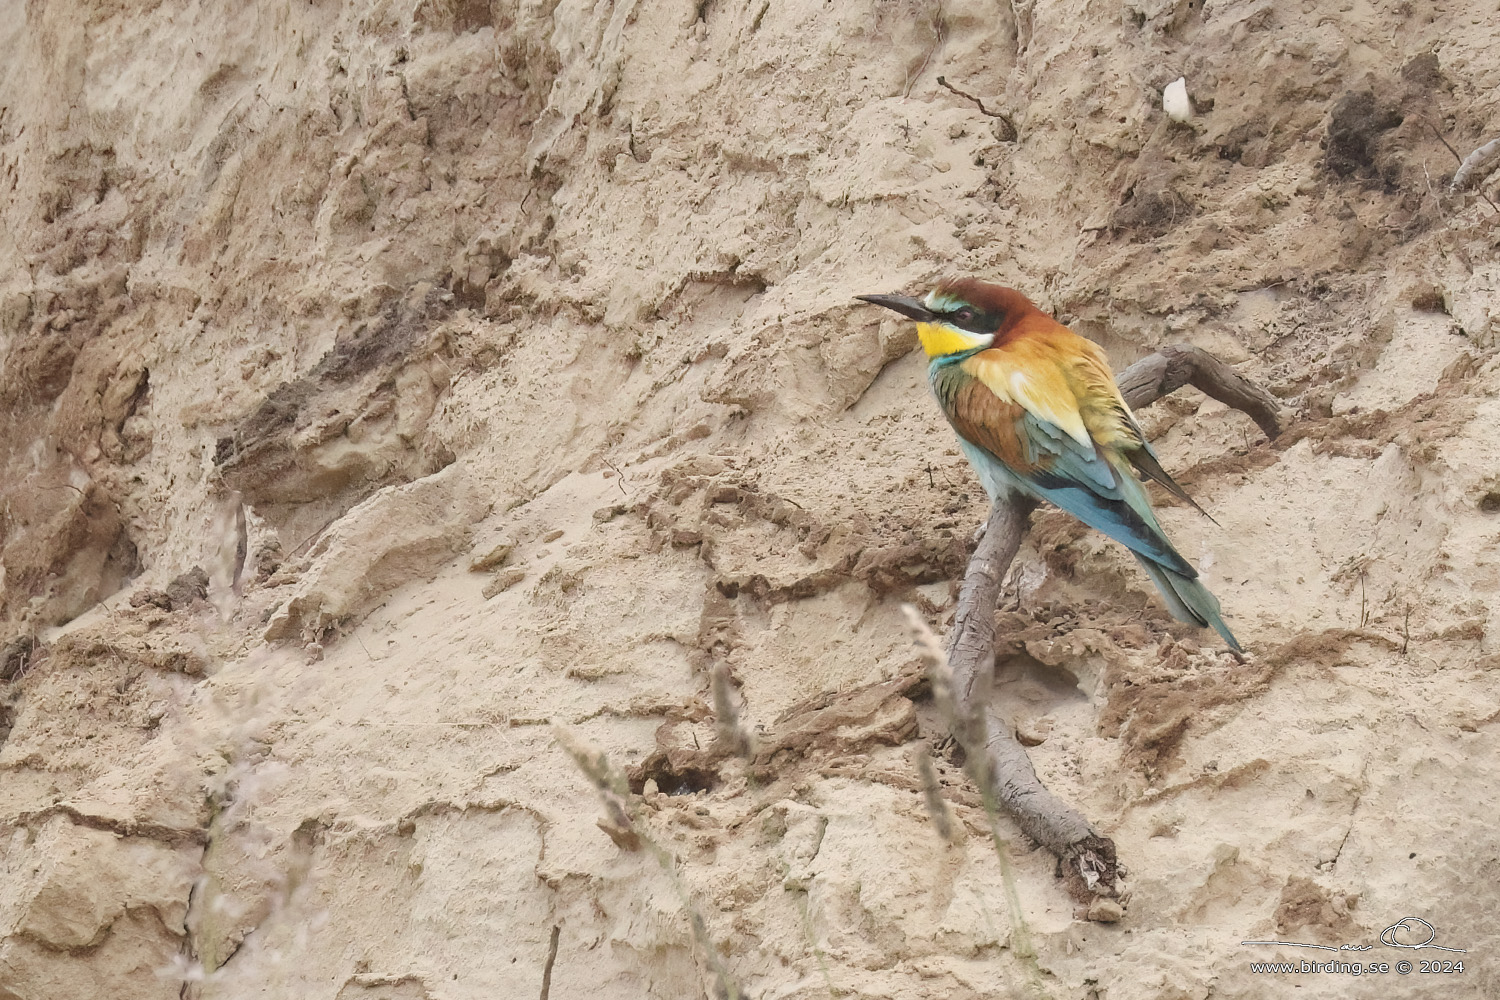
1037, 411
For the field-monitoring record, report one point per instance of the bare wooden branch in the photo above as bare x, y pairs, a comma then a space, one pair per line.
1476, 166
1087, 857
1466, 167
1171, 368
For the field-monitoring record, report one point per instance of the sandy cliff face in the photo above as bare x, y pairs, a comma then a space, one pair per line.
494, 364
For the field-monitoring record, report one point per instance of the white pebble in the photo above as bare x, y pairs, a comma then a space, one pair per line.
1174, 101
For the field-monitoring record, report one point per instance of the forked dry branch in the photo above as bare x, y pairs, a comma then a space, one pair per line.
1087, 857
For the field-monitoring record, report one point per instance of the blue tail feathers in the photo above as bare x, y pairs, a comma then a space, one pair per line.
1188, 600
1129, 521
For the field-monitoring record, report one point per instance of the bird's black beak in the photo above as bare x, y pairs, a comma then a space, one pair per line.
902, 304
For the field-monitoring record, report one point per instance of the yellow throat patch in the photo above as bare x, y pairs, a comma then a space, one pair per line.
939, 339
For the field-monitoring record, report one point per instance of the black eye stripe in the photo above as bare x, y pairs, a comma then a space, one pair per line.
967, 318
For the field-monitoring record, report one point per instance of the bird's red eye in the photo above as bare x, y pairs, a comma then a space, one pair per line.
964, 315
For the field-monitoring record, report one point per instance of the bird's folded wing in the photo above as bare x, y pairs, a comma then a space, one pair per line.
1028, 373
1111, 423
1054, 465
1040, 408
1051, 451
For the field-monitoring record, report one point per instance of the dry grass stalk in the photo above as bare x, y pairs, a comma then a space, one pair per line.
623, 829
